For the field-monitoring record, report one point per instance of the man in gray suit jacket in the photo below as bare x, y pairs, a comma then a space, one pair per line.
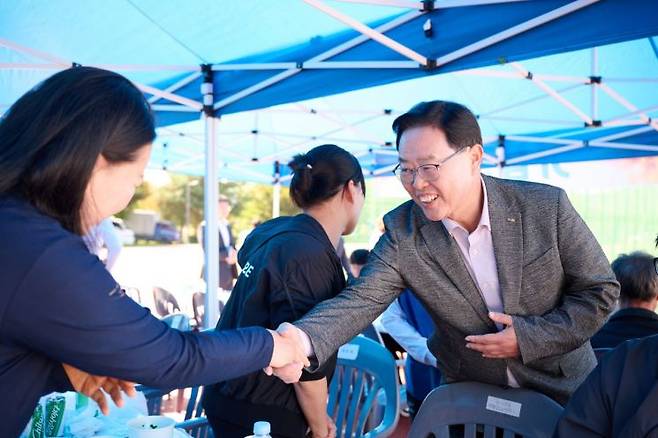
514, 280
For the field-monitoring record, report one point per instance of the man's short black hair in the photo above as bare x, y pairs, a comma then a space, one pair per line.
636, 274
359, 257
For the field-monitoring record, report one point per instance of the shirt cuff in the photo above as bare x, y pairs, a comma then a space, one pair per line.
306, 342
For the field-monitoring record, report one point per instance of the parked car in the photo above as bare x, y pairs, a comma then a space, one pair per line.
126, 235
166, 232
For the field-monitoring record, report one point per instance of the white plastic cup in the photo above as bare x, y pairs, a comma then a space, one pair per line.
153, 426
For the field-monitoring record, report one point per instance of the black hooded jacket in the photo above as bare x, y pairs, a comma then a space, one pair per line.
288, 266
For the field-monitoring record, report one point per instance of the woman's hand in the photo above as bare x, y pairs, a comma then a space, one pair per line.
326, 430
92, 386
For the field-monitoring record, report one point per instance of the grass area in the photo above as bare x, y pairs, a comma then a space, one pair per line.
623, 219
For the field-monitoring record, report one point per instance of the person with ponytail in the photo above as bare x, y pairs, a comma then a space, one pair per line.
72, 152
289, 264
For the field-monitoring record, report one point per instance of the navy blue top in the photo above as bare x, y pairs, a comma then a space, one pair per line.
59, 304
421, 378
625, 324
619, 398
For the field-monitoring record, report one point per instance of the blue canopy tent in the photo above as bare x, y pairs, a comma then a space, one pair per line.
209, 59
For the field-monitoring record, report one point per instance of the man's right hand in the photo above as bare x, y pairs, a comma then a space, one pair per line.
288, 357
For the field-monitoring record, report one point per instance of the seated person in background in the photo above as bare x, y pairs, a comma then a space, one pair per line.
638, 299
358, 258
410, 325
619, 398
290, 264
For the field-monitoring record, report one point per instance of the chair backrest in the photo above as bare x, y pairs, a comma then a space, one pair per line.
198, 307
153, 398
600, 352
194, 407
479, 407
371, 332
365, 370
196, 427
165, 302
179, 321
134, 294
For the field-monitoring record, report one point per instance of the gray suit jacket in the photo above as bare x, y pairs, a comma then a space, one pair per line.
554, 279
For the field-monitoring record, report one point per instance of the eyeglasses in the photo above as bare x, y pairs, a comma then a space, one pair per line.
429, 172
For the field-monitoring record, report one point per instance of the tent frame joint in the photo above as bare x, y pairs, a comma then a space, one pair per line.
431, 65
208, 74
428, 5
595, 80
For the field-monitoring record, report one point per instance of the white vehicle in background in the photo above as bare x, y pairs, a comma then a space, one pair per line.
126, 235
147, 225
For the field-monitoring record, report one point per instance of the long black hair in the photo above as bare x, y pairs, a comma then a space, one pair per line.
52, 136
321, 173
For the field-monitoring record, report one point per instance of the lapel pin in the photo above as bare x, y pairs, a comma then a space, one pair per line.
511, 219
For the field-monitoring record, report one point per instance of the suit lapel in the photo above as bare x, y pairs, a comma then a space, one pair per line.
446, 253
507, 236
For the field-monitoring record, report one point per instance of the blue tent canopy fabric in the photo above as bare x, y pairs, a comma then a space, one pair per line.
597, 24
163, 44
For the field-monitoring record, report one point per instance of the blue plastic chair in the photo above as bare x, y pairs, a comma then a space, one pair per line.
196, 427
179, 321
364, 370
479, 409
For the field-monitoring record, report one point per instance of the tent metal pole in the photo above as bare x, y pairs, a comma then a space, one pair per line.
532, 139
210, 197
526, 101
625, 103
147, 67
28, 66
173, 108
626, 146
276, 192
571, 147
514, 30
632, 113
624, 134
169, 96
551, 92
35, 53
368, 31
595, 96
500, 155
323, 135
321, 57
411, 4
186, 80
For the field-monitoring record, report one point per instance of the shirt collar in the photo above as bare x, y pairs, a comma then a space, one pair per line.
452, 226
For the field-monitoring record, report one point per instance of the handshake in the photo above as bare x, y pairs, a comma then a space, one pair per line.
290, 354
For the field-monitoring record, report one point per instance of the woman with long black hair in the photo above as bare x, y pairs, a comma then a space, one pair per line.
72, 152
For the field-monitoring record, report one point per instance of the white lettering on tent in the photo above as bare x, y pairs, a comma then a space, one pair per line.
348, 352
503, 406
